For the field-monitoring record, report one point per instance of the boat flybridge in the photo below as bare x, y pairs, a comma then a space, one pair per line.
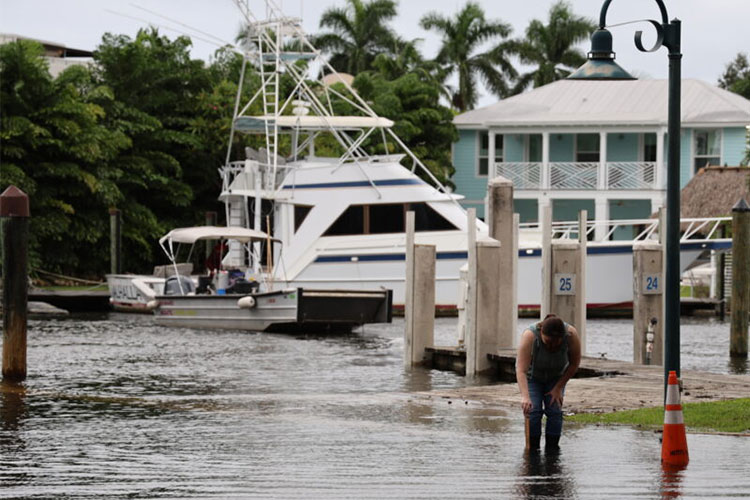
341, 219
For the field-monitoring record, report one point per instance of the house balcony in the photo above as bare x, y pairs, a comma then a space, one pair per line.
540, 176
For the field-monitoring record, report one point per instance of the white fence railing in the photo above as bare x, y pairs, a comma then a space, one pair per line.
579, 175
631, 175
525, 175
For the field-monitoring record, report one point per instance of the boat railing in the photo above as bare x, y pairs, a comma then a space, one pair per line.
243, 175
698, 228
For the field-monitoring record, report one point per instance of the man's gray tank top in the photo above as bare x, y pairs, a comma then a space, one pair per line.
545, 365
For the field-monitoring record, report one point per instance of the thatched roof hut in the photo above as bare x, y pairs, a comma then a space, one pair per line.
713, 191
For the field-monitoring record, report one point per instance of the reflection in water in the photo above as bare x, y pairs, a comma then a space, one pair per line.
671, 479
12, 405
543, 475
738, 365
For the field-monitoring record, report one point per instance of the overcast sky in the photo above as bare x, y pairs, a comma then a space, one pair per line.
713, 31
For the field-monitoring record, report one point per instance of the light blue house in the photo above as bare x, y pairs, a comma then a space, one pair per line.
594, 145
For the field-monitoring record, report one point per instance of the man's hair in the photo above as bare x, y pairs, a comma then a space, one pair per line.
552, 326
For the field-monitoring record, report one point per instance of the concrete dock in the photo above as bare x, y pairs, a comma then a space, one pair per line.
601, 385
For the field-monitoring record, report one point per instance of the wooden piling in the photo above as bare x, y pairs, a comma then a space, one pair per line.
740, 279
115, 241
14, 219
501, 228
419, 313
648, 302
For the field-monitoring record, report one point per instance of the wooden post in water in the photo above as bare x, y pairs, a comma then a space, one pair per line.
648, 303
483, 338
740, 279
419, 307
501, 228
14, 217
115, 241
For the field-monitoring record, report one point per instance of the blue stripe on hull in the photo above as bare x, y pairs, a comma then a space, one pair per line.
536, 252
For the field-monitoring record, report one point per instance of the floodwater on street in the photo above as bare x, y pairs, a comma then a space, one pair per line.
117, 407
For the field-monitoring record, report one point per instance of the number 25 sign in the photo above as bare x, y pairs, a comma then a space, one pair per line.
564, 284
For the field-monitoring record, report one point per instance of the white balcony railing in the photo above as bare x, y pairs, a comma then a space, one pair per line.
525, 175
579, 175
631, 175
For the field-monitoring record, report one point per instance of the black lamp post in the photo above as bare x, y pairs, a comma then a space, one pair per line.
601, 66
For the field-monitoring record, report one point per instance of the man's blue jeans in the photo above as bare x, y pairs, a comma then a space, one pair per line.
541, 405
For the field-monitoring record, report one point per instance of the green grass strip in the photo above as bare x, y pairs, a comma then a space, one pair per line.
714, 416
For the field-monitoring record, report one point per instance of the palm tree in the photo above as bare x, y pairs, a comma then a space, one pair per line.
551, 48
358, 33
461, 39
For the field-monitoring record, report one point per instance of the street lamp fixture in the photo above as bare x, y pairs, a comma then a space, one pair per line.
601, 66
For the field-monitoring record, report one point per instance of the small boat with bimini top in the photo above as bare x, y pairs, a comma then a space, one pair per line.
242, 297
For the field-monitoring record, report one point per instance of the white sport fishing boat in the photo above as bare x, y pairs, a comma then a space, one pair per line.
342, 219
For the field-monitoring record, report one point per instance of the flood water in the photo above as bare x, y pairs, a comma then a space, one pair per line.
116, 407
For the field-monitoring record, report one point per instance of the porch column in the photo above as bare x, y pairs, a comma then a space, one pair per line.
601, 214
545, 163
602, 177
490, 157
660, 177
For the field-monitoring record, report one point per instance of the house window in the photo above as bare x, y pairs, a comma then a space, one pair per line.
649, 147
535, 148
587, 147
707, 148
484, 146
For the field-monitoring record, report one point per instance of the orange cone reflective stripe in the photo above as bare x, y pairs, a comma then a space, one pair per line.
674, 449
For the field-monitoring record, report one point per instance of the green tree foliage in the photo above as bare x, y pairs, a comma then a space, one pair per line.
550, 48
358, 34
461, 39
420, 121
56, 148
168, 175
736, 77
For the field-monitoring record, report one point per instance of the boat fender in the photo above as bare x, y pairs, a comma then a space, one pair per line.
152, 304
247, 302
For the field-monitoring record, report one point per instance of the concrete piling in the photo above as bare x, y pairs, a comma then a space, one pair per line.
115, 241
648, 303
580, 320
563, 275
14, 218
546, 227
483, 338
502, 229
419, 313
738, 338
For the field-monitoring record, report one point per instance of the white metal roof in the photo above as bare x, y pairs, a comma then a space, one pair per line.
622, 102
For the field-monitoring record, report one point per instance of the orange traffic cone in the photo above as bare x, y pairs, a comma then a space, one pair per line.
674, 449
